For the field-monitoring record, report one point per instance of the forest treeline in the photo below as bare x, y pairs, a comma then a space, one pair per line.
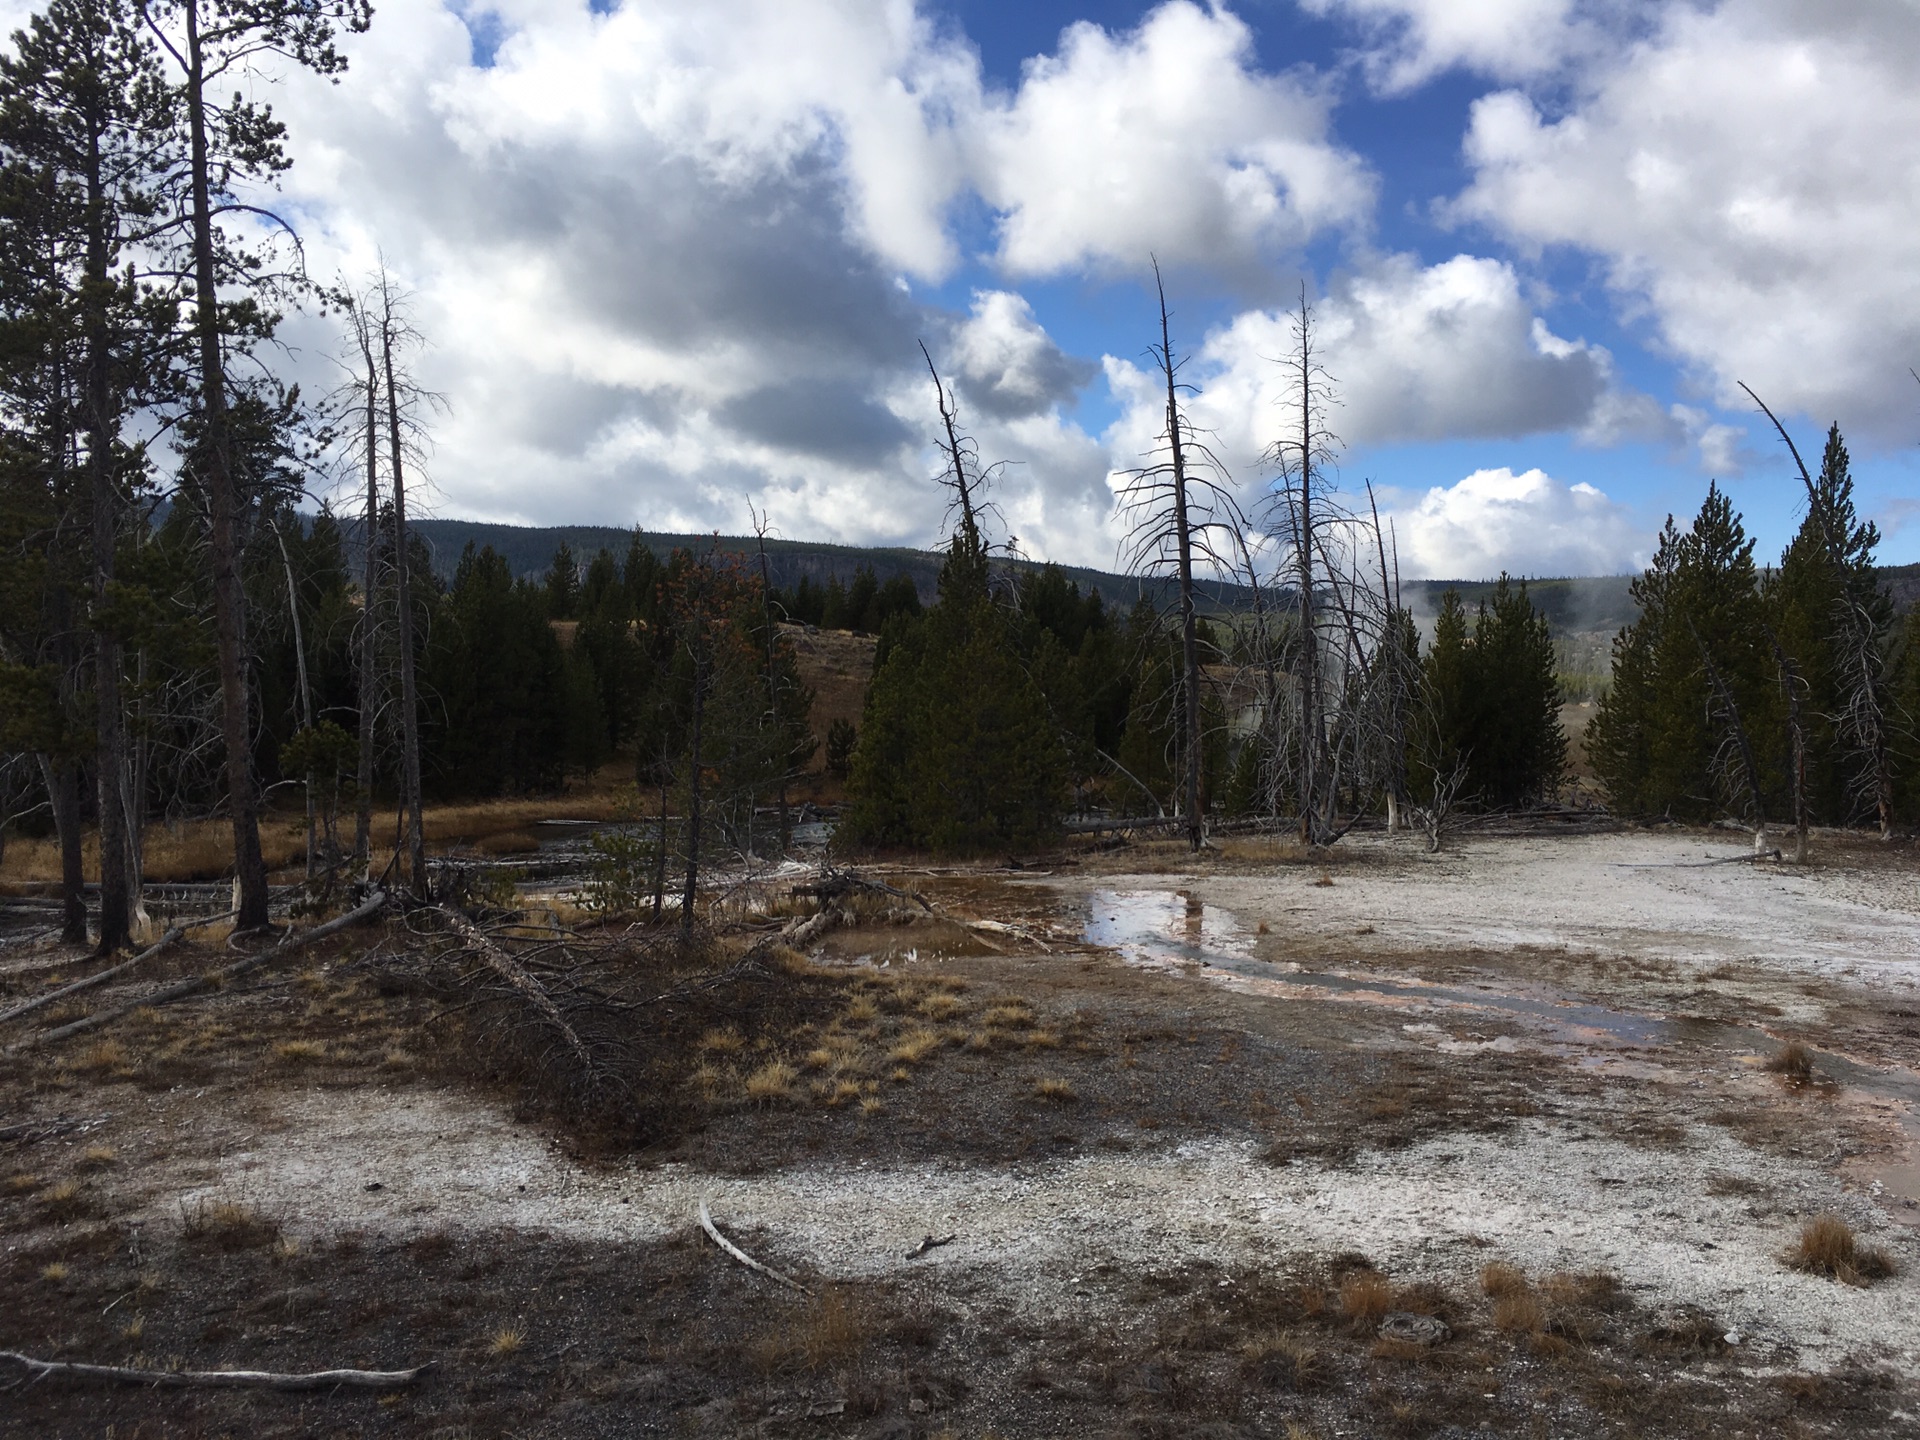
181, 637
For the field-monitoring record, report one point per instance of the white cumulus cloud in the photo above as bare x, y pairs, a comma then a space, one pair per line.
1526, 524
1168, 139
1749, 174
1412, 40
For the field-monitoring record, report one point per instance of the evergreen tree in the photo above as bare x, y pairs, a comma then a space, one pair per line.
1519, 752
1827, 606
957, 750
1663, 740
563, 584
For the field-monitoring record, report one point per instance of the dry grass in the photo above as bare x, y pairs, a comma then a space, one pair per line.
772, 1081
1500, 1281
1054, 1088
940, 1006
1792, 1062
724, 1041
830, 1331
300, 1052
1827, 1246
100, 1057
54, 1273
862, 1011
63, 1202
1285, 1361
914, 1047
229, 1225
1365, 1299
506, 1341
1011, 1014
1520, 1314
1323, 879
20, 1184
97, 1157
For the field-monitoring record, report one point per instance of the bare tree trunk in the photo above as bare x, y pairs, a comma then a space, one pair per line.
1189, 621
63, 798
102, 430
369, 674
660, 857
773, 679
1311, 740
415, 835
229, 598
300, 666
693, 786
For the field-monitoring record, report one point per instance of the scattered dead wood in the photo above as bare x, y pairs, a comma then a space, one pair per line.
219, 1379
208, 980
930, 1242
520, 979
99, 978
713, 1231
28, 1131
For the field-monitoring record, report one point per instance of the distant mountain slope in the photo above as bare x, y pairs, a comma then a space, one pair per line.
1573, 605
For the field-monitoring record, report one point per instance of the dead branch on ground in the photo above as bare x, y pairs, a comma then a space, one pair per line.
219, 1379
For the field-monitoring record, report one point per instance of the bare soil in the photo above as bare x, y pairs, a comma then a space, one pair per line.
1189, 1169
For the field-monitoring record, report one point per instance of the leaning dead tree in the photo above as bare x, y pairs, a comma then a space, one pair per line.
1182, 515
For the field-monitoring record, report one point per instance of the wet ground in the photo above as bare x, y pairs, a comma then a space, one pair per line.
1173, 1116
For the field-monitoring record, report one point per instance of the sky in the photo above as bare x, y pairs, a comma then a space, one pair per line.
677, 260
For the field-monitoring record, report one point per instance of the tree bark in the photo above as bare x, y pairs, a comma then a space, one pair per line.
414, 823
1189, 622
102, 432
1310, 724
229, 598
363, 778
692, 890
63, 798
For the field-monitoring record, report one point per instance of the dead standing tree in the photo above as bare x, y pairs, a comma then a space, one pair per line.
1301, 456
1179, 511
406, 438
361, 394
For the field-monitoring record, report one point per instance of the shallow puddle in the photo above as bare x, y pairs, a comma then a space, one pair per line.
1174, 930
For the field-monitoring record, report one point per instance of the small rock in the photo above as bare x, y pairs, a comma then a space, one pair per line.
916, 1406
1414, 1329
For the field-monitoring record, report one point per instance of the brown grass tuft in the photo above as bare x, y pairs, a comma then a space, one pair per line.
300, 1052
229, 1225
1365, 1298
100, 1056
913, 1047
97, 1157
54, 1273
772, 1081
1792, 1062
1286, 1362
1500, 1281
1053, 1088
724, 1041
1827, 1246
63, 1202
506, 1341
1519, 1314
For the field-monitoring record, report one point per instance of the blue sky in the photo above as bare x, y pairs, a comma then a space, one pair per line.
675, 260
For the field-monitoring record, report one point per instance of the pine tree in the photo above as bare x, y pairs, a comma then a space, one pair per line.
957, 750
1664, 740
1832, 616
1518, 750
563, 584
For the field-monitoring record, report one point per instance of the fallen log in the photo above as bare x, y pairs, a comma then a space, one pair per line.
713, 1231
208, 980
221, 1379
518, 976
173, 934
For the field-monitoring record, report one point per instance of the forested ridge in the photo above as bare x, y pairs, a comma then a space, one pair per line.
183, 636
